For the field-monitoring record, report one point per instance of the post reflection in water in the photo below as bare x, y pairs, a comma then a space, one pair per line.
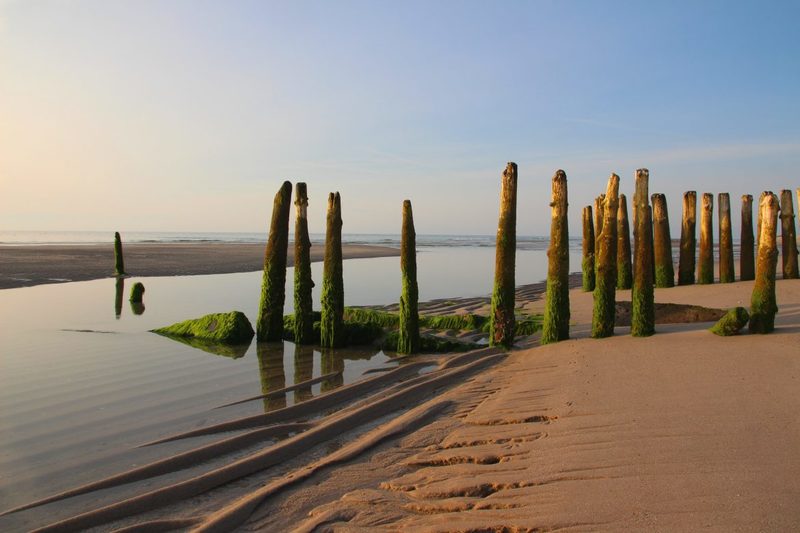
120, 288
303, 371
270, 369
137, 308
332, 361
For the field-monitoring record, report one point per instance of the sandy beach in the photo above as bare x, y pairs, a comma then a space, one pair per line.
24, 266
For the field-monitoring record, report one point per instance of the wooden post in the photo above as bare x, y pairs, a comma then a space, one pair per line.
555, 326
624, 269
643, 298
408, 332
763, 304
605, 291
747, 261
332, 334
726, 274
686, 263
788, 237
303, 284
758, 226
119, 263
269, 325
662, 242
705, 266
587, 263
501, 327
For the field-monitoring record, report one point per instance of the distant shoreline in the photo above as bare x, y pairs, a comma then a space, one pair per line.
29, 265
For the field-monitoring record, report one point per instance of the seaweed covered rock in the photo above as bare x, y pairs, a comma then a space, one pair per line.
730, 324
223, 328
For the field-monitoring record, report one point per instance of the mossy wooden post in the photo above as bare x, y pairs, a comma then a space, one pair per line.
606, 283
332, 334
502, 324
269, 326
705, 264
642, 298
555, 325
624, 269
599, 203
408, 332
747, 261
763, 304
587, 262
686, 259
726, 274
662, 242
303, 284
119, 263
788, 237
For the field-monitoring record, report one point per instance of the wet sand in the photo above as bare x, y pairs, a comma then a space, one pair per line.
24, 266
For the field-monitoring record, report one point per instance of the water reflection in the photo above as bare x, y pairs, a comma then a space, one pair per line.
120, 288
303, 371
137, 308
270, 370
332, 361
233, 351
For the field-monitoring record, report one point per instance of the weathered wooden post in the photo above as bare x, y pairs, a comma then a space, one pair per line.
747, 262
763, 304
555, 326
303, 284
686, 261
408, 332
599, 203
501, 327
788, 237
606, 284
587, 263
726, 274
642, 298
119, 263
705, 265
332, 334
758, 224
624, 269
269, 325
662, 242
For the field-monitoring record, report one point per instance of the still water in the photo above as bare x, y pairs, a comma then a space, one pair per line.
83, 381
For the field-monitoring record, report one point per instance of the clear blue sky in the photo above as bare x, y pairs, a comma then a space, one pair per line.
187, 115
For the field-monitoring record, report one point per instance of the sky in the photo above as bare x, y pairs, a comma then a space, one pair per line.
188, 115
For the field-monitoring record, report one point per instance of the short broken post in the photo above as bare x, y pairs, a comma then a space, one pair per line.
555, 325
587, 262
269, 325
726, 274
605, 304
662, 243
303, 284
502, 325
763, 303
408, 332
705, 264
119, 263
642, 298
624, 268
332, 334
747, 261
788, 237
686, 260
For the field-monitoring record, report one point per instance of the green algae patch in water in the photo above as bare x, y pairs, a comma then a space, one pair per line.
731, 323
221, 328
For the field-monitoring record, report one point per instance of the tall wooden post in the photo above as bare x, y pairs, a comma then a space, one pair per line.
624, 268
643, 298
662, 242
332, 334
303, 284
747, 261
269, 326
555, 326
788, 237
705, 266
502, 324
763, 303
119, 263
686, 262
726, 274
606, 284
587, 263
408, 332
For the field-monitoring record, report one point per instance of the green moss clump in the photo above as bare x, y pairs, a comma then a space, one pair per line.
528, 325
223, 328
731, 323
371, 316
303, 327
273, 286
137, 291
332, 322
467, 321
555, 326
119, 263
408, 332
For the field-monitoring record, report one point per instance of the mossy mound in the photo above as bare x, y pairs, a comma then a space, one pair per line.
222, 328
137, 291
730, 324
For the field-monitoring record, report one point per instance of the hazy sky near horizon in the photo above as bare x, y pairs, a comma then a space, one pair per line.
188, 115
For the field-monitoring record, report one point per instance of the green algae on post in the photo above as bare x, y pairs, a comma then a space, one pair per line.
747, 261
624, 268
501, 330
119, 263
763, 302
642, 297
606, 283
332, 334
408, 332
587, 262
705, 264
303, 284
269, 325
731, 323
555, 326
788, 237
726, 274
223, 328
137, 291
686, 260
662, 242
